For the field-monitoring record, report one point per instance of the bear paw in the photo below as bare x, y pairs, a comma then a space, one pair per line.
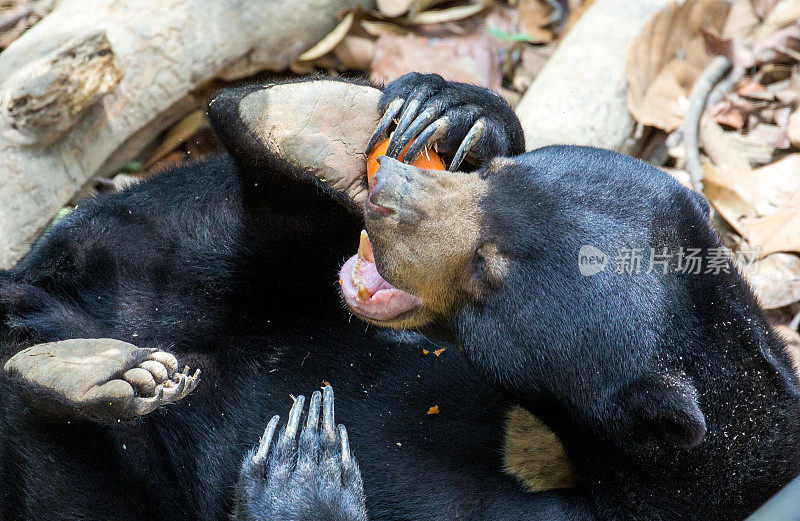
461, 120
100, 378
312, 478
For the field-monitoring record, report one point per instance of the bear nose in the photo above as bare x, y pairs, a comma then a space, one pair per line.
376, 186
392, 186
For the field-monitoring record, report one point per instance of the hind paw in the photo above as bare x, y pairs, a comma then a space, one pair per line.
315, 477
100, 378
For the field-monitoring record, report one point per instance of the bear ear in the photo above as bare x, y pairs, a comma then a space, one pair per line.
663, 407
318, 125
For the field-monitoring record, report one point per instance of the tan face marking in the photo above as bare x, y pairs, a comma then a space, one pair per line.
426, 246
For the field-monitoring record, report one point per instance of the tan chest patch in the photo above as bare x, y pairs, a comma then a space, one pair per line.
533, 454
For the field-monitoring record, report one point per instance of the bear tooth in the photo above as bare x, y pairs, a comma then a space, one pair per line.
365, 248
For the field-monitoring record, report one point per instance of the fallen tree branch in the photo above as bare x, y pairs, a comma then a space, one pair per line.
698, 99
579, 97
94, 81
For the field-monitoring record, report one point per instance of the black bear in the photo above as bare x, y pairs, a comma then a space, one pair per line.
228, 265
561, 274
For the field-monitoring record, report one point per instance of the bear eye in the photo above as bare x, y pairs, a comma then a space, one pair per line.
479, 264
489, 265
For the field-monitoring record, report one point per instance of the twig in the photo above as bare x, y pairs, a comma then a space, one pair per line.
791, 53
726, 85
691, 123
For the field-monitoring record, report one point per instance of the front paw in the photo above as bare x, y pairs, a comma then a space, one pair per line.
315, 478
99, 378
463, 121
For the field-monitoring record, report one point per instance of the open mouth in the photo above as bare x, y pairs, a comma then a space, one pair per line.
367, 293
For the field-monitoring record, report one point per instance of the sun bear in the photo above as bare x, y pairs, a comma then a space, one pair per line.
671, 393
228, 266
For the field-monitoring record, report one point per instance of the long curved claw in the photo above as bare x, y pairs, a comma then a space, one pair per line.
470, 140
391, 112
409, 115
143, 406
346, 458
328, 424
313, 412
427, 138
180, 385
171, 393
191, 383
266, 440
425, 118
294, 418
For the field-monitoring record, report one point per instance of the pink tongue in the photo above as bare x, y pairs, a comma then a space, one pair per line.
369, 295
367, 273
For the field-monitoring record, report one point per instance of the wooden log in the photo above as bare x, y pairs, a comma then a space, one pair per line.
579, 97
94, 81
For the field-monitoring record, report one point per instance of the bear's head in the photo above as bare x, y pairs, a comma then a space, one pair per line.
521, 262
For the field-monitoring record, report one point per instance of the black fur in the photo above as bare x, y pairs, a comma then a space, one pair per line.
231, 265
673, 396
671, 393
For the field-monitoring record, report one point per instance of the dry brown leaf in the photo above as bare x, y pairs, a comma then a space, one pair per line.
726, 197
575, 13
451, 14
758, 144
776, 184
734, 49
394, 8
763, 7
729, 115
533, 19
751, 88
777, 232
719, 147
786, 13
792, 339
505, 23
741, 20
331, 40
781, 118
470, 58
782, 46
756, 193
717, 44
776, 280
793, 129
666, 58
